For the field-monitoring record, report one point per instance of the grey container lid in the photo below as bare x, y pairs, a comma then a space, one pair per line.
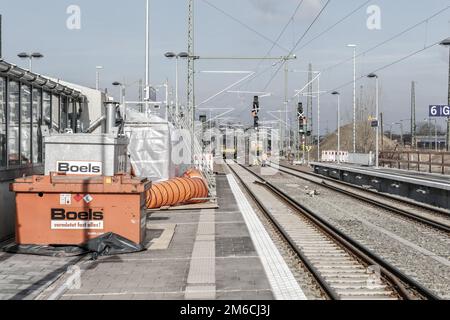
86, 139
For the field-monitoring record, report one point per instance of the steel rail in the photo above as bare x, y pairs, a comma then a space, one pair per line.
426, 221
401, 282
386, 195
330, 292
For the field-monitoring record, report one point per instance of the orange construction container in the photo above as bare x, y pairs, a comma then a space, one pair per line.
71, 210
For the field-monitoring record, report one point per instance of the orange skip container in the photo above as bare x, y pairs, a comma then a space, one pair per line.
71, 210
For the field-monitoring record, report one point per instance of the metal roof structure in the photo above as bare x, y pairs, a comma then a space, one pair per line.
37, 80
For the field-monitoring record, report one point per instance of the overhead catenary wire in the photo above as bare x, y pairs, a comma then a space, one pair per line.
298, 42
283, 30
335, 24
388, 65
259, 74
295, 45
426, 20
274, 43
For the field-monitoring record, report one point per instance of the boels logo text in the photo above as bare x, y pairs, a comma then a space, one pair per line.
79, 167
73, 219
61, 214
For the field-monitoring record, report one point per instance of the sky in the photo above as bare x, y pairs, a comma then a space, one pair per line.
112, 35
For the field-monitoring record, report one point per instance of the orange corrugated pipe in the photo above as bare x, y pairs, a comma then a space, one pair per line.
178, 191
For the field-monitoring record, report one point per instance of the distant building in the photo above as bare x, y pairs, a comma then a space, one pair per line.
30, 102
430, 142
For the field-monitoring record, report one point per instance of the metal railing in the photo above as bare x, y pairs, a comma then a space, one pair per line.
201, 163
420, 161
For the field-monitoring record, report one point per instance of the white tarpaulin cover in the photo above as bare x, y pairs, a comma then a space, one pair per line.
150, 146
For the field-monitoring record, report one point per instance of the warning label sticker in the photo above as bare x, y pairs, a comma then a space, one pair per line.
88, 198
65, 199
76, 225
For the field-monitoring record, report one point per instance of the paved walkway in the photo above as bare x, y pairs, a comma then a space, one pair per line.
23, 277
195, 254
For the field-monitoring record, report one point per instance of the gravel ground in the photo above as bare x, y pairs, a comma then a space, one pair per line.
301, 274
440, 217
419, 251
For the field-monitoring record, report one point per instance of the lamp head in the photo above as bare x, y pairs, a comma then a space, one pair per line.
37, 55
445, 42
23, 55
170, 55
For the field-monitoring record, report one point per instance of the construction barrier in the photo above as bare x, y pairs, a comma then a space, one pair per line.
191, 188
332, 156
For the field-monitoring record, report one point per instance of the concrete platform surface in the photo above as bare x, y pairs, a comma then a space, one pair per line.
193, 254
433, 180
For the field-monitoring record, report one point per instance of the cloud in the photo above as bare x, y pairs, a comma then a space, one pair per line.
268, 9
273, 10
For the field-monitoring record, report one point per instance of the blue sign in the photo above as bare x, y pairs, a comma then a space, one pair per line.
439, 111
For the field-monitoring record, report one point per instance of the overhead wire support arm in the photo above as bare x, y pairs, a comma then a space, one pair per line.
282, 58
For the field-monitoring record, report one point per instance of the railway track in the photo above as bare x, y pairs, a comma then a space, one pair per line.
331, 184
343, 268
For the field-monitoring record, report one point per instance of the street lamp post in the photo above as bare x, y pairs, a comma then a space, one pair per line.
354, 95
401, 132
435, 133
446, 43
318, 117
97, 77
429, 132
403, 140
171, 55
147, 54
377, 155
34, 55
338, 124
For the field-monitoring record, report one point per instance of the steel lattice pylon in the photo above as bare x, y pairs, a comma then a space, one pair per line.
191, 72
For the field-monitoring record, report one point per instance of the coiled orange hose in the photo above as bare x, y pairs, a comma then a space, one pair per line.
178, 191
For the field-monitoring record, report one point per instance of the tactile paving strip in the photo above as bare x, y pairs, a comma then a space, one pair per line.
201, 282
282, 281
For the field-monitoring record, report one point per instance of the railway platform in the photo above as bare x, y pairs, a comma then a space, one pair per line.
428, 188
193, 254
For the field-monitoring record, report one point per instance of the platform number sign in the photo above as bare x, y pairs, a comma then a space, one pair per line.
439, 111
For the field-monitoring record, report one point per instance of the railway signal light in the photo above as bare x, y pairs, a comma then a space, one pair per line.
300, 109
302, 120
255, 111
